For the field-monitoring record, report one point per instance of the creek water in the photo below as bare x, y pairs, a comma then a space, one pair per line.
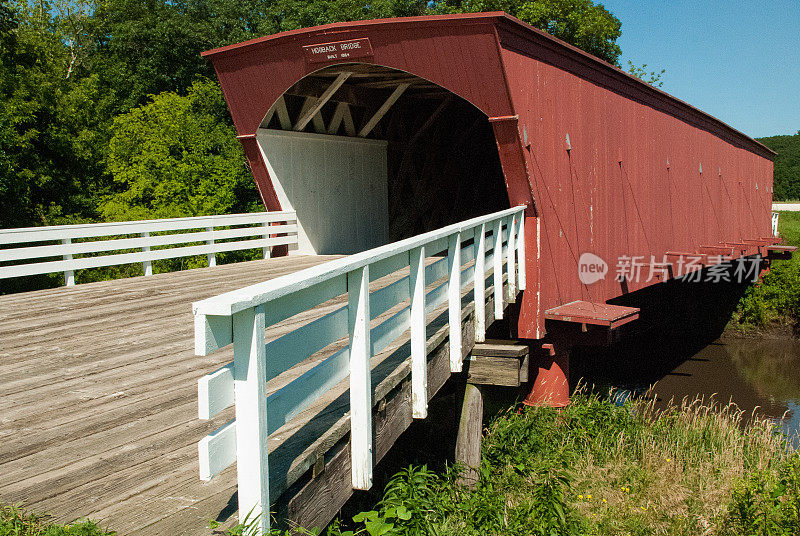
761, 375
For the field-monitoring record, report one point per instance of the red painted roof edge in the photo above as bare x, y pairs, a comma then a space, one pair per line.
481, 17
496, 17
630, 79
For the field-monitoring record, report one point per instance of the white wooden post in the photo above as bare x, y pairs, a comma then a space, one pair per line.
419, 359
480, 284
360, 378
69, 275
212, 257
266, 235
454, 300
147, 266
497, 269
510, 267
250, 393
521, 251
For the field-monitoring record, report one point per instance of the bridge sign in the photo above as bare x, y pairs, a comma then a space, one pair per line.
339, 50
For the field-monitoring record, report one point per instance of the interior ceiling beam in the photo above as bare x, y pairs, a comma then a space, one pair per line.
433, 117
352, 95
378, 115
342, 115
283, 114
308, 105
389, 82
313, 110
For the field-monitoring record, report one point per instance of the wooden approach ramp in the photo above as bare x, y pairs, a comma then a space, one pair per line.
98, 411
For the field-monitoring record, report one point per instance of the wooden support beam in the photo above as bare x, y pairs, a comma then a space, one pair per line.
426, 125
338, 115
378, 115
318, 123
348, 93
349, 125
500, 348
342, 115
313, 110
498, 362
283, 113
308, 105
502, 371
470, 430
268, 117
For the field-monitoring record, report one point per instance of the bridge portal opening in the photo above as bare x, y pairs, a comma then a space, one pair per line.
368, 155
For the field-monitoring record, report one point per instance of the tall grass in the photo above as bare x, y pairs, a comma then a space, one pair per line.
695, 467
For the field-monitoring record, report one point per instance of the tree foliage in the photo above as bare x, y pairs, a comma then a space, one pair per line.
653, 78
47, 130
104, 103
176, 156
787, 165
583, 23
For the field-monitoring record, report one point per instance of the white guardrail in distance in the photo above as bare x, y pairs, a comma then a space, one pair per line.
257, 230
241, 318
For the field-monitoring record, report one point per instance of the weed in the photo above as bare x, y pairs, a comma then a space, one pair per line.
696, 467
15, 521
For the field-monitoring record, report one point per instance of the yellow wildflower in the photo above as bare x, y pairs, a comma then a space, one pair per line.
588, 497
580, 497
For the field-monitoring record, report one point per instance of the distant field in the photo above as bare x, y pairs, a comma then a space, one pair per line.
786, 206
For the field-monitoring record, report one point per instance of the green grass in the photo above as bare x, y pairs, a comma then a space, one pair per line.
594, 468
15, 521
775, 300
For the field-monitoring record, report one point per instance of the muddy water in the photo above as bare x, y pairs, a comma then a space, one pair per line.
757, 375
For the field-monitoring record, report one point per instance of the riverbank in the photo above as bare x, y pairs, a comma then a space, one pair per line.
772, 306
598, 468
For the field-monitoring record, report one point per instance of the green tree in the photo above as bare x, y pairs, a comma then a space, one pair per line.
653, 78
48, 163
177, 156
787, 165
588, 26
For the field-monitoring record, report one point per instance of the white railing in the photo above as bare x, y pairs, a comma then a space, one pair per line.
262, 225
242, 317
775, 216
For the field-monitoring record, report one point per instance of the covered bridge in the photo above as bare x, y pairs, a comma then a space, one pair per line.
378, 130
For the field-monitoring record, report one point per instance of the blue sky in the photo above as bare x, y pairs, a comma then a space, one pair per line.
736, 60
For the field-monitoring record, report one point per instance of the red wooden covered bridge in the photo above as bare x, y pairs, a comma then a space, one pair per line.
428, 150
